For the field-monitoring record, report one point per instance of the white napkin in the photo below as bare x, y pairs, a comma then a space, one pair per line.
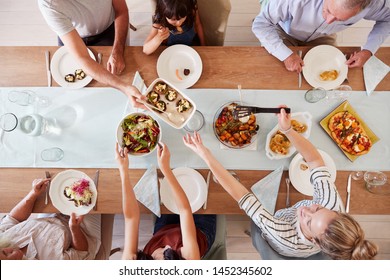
374, 70
139, 83
146, 191
266, 190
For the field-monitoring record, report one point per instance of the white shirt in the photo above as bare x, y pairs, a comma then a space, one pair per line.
88, 17
49, 238
303, 20
282, 231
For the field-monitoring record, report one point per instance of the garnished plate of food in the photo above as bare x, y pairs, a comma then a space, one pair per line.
277, 144
348, 131
325, 67
234, 133
73, 191
180, 65
299, 173
139, 133
67, 72
173, 106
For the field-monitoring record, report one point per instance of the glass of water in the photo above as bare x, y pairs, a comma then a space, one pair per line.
376, 182
195, 123
338, 94
27, 97
52, 154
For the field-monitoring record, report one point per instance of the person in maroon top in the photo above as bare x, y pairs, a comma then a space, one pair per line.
175, 236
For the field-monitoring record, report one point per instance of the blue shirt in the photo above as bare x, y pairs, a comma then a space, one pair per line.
303, 20
185, 38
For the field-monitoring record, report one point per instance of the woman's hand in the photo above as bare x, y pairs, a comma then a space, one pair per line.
195, 143
284, 119
121, 156
163, 157
39, 186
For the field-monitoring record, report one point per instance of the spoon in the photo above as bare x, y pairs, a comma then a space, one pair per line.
100, 58
172, 117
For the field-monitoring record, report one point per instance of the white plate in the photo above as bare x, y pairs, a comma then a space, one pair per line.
62, 63
300, 179
193, 185
171, 105
179, 57
303, 118
324, 58
60, 201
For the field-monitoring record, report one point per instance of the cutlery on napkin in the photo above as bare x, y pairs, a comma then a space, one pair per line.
147, 192
48, 176
96, 181
374, 70
266, 190
47, 56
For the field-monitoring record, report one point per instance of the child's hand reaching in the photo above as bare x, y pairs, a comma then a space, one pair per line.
284, 120
195, 143
163, 157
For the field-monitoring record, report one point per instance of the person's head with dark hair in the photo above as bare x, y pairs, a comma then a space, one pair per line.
174, 13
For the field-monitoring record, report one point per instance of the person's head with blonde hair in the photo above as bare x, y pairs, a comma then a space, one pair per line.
344, 239
7, 251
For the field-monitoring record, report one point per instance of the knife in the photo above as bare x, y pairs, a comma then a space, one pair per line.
48, 176
348, 193
47, 55
207, 193
96, 181
300, 73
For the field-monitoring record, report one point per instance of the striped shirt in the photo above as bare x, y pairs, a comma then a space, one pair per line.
282, 230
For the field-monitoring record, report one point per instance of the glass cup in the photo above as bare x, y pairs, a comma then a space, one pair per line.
35, 125
338, 94
27, 97
52, 154
376, 182
195, 123
8, 122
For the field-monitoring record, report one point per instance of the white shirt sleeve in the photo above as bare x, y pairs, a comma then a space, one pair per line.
57, 21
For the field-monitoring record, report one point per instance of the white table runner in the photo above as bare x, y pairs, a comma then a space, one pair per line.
88, 119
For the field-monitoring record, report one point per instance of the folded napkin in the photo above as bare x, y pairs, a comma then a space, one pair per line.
266, 190
146, 191
374, 70
139, 83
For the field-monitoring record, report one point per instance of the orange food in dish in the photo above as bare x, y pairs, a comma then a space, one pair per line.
177, 75
330, 75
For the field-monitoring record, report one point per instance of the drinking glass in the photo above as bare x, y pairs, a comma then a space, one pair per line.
35, 125
376, 182
195, 123
338, 94
8, 122
52, 154
27, 97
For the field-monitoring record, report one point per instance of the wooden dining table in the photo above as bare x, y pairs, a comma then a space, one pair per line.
223, 67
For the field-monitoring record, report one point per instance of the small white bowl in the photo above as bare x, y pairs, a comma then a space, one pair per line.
303, 118
119, 134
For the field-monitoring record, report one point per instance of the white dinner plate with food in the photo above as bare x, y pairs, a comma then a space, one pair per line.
324, 67
299, 173
63, 64
180, 65
65, 180
278, 149
193, 185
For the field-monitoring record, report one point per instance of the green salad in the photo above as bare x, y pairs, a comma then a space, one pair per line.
140, 134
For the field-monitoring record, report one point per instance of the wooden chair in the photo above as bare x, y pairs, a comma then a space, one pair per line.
107, 225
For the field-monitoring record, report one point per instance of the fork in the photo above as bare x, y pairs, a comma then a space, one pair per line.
100, 58
48, 176
243, 111
96, 181
288, 192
